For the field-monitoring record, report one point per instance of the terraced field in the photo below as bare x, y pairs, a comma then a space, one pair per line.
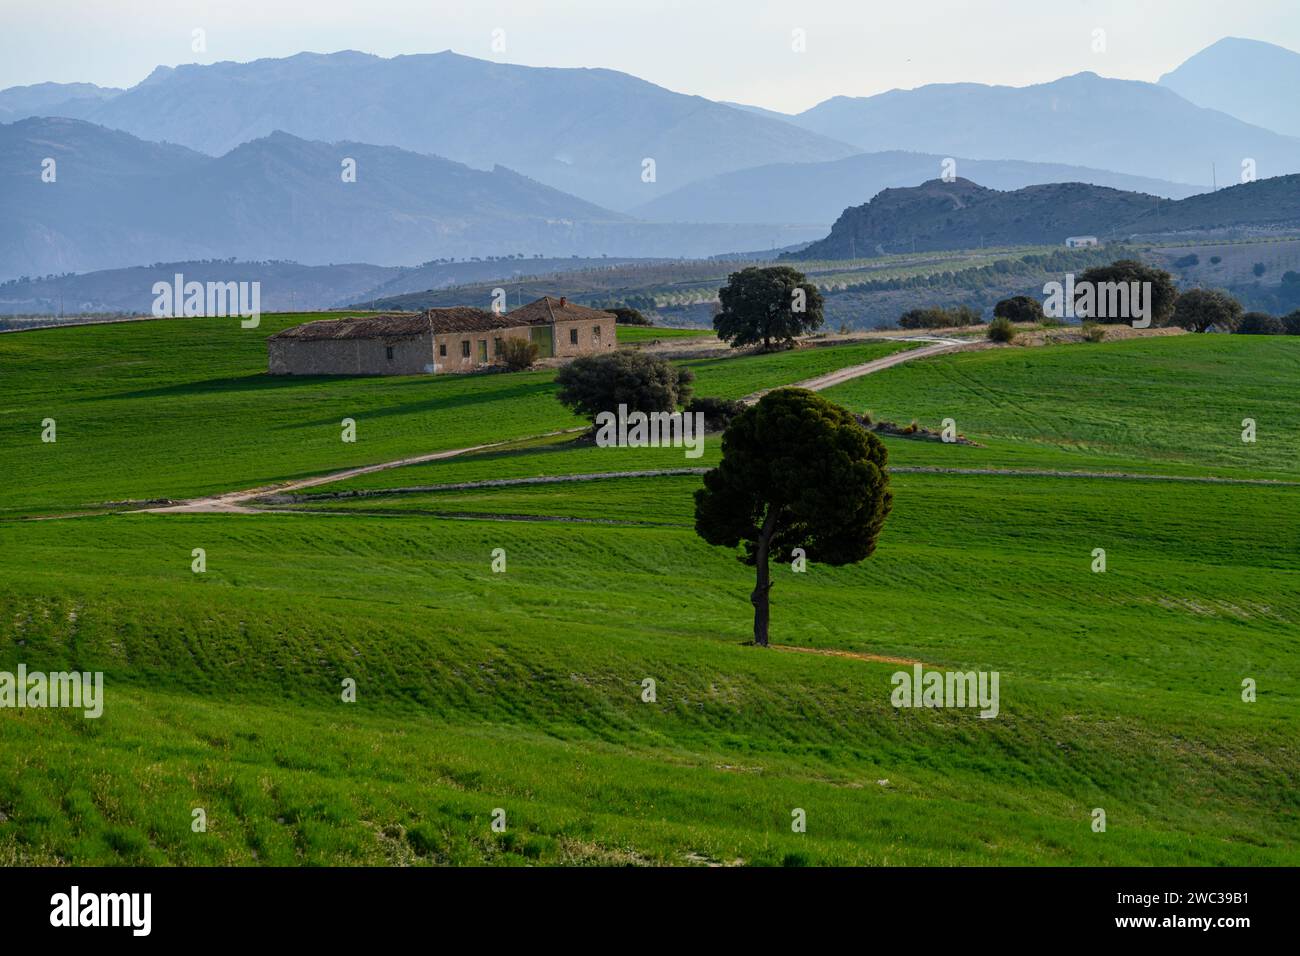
523, 689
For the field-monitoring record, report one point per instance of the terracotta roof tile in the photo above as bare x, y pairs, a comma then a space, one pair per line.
399, 326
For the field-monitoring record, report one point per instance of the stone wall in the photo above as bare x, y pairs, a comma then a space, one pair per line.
453, 343
424, 354
587, 344
410, 356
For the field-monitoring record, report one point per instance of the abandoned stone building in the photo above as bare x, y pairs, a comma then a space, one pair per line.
460, 339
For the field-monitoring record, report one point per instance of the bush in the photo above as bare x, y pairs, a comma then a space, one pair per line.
1186, 262
937, 317
1259, 269
1163, 292
1291, 323
1260, 323
518, 354
1020, 308
626, 315
643, 382
1215, 260
1001, 330
1092, 332
718, 412
1199, 310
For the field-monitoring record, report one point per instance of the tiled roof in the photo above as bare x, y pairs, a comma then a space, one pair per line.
399, 326
548, 309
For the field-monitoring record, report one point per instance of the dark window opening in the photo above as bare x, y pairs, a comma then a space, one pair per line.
464, 349
573, 336
442, 350
389, 352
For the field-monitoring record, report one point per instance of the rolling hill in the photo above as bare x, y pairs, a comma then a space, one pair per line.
962, 214
523, 690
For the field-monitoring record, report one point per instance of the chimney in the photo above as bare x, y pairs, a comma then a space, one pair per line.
563, 302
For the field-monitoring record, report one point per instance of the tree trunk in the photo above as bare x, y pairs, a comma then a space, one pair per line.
759, 596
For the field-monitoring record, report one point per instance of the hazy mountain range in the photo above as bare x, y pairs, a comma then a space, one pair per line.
463, 157
1253, 81
585, 131
118, 200
814, 192
1141, 129
961, 214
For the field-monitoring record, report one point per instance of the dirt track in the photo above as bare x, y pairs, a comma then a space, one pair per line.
233, 502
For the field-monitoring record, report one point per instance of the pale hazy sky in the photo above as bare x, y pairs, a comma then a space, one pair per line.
723, 49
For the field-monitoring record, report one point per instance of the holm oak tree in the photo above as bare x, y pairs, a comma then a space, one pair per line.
769, 304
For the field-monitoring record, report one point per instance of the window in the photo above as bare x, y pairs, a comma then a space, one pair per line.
595, 335
573, 336
482, 350
498, 346
464, 349
442, 350
389, 352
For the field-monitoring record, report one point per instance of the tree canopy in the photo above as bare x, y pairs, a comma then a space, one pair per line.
1163, 291
772, 304
592, 384
797, 472
1019, 308
1260, 323
1199, 310
937, 317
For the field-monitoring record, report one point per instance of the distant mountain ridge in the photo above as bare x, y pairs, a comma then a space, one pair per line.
940, 215
587, 132
1254, 81
819, 192
120, 201
1127, 126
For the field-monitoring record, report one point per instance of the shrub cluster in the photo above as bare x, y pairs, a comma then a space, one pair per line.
1001, 330
937, 317
718, 412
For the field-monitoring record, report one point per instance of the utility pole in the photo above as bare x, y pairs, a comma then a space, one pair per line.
1214, 177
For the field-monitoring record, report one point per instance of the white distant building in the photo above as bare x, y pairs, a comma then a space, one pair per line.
1079, 242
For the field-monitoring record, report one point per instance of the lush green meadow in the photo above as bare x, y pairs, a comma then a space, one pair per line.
640, 334
522, 690
1160, 405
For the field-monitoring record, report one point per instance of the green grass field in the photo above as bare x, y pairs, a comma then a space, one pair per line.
638, 334
522, 690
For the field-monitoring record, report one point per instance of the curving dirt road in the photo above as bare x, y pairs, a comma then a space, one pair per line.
233, 502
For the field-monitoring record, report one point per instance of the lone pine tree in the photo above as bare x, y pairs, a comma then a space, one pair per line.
797, 472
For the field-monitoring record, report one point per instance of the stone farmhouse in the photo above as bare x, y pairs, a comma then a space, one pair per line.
436, 341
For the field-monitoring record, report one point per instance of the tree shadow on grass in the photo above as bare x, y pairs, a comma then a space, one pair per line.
523, 391
379, 386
